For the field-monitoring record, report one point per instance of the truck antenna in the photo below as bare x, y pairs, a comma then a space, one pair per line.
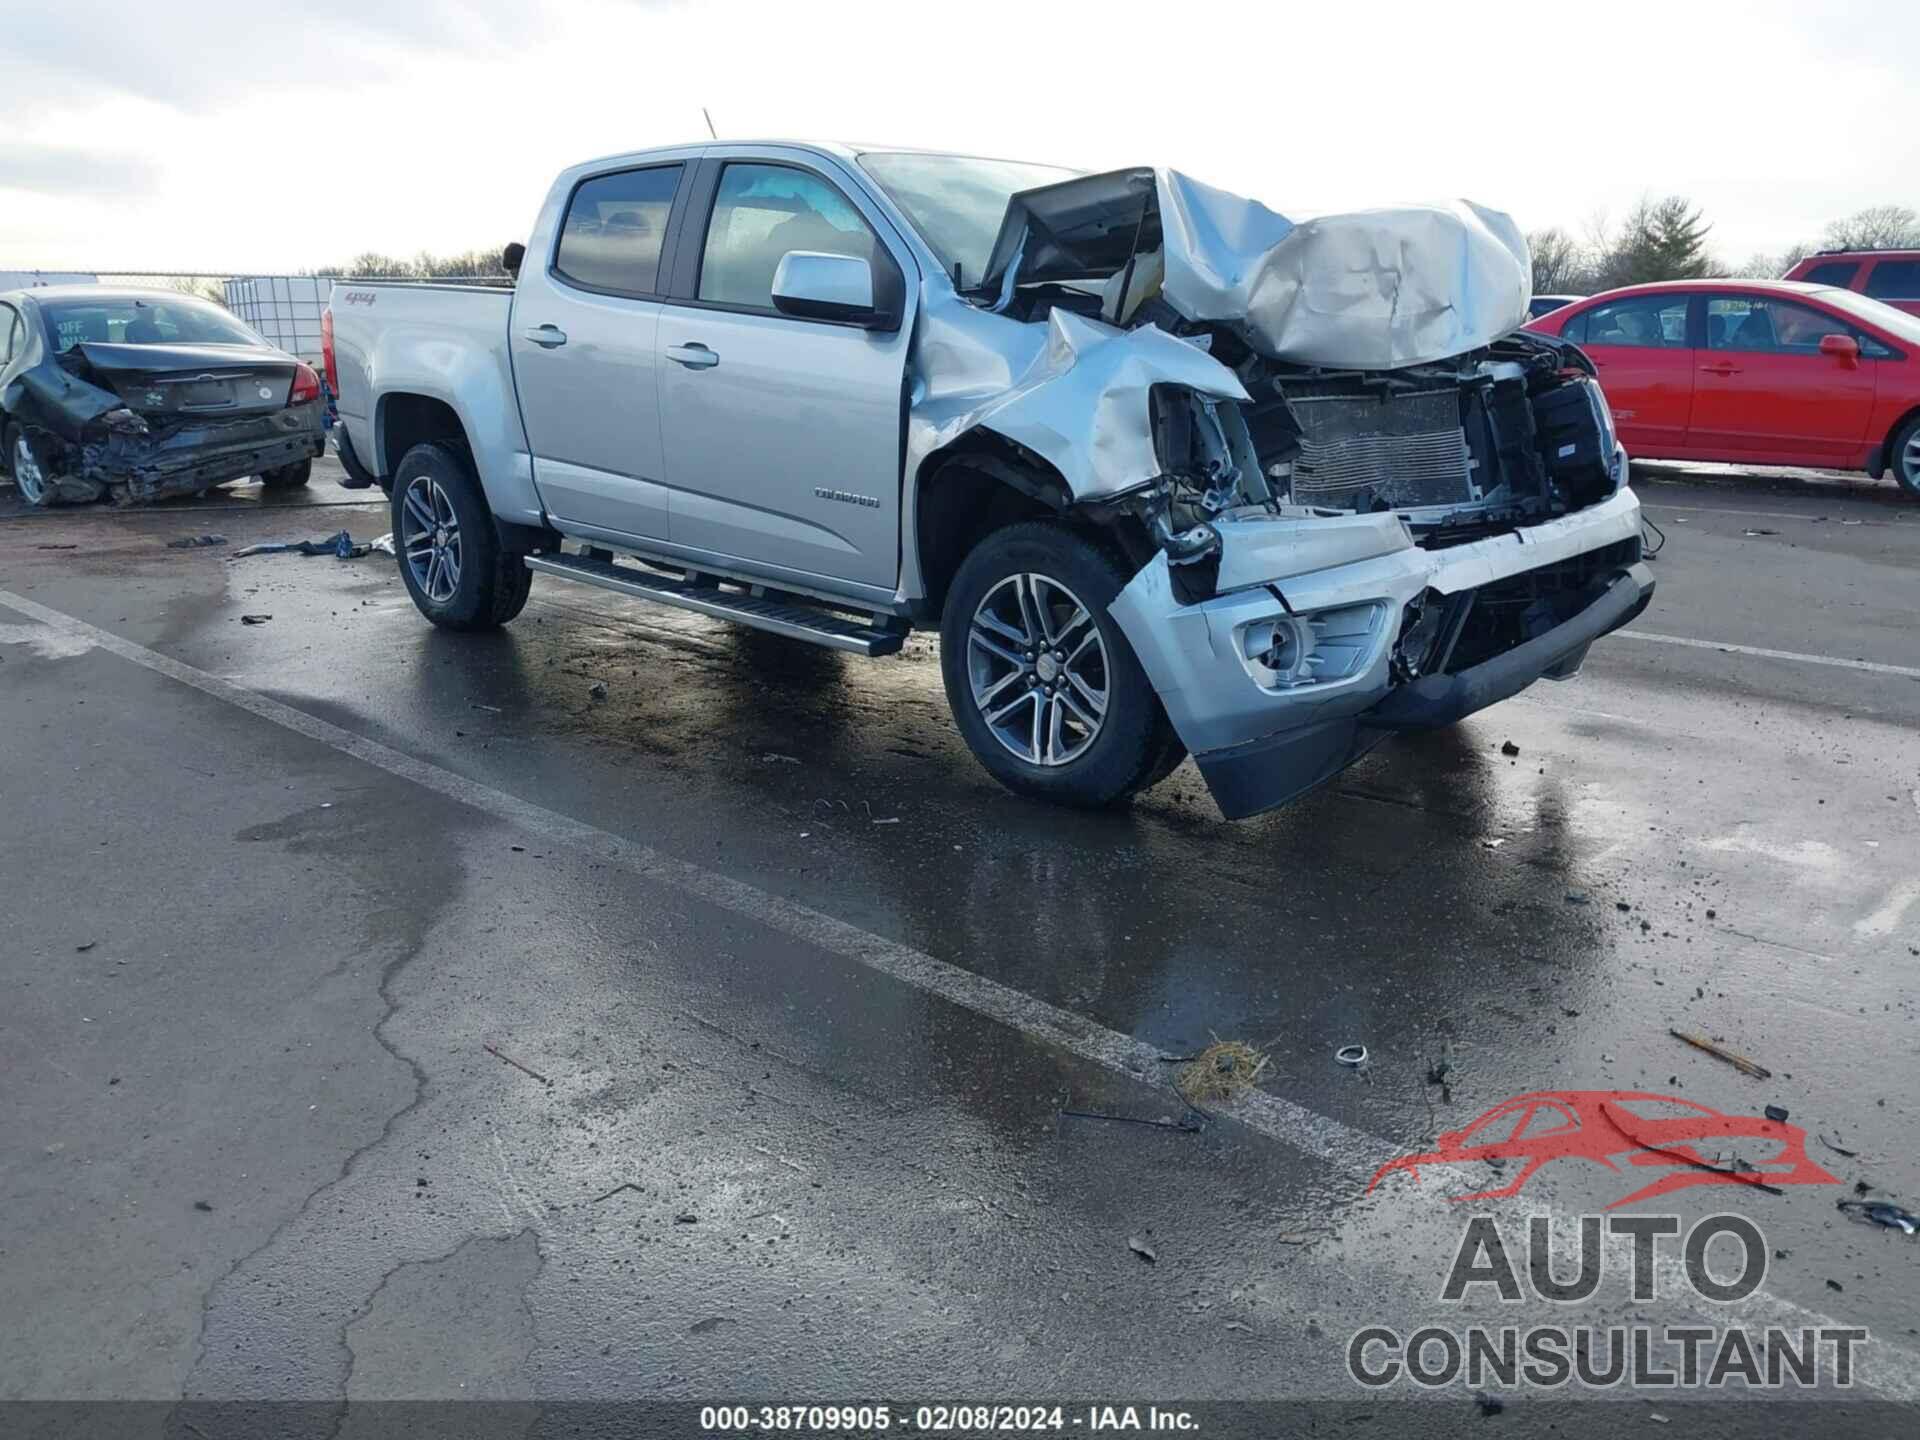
710, 130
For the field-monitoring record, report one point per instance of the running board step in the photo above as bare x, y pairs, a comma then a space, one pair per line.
806, 623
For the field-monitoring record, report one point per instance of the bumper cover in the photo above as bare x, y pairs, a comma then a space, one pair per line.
1261, 739
192, 458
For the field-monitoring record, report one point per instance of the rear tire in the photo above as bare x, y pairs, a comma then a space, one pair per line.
1905, 455
450, 556
1101, 734
288, 477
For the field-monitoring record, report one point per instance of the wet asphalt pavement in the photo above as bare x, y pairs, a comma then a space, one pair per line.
636, 1047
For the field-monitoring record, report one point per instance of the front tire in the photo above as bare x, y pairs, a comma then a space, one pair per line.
1905, 455
450, 556
288, 477
1043, 685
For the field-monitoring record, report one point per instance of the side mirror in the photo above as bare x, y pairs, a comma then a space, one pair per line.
511, 257
1843, 348
816, 286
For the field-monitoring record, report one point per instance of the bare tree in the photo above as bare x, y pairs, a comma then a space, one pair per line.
1878, 227
1560, 263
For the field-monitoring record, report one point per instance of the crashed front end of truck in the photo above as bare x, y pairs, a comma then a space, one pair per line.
1369, 502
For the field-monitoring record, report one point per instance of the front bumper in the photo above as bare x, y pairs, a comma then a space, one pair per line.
1336, 590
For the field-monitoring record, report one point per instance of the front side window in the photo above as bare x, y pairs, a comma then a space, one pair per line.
1653, 321
158, 320
760, 214
1894, 280
1832, 272
1762, 324
614, 228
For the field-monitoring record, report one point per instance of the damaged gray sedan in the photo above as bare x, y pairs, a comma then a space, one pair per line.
1170, 472
137, 395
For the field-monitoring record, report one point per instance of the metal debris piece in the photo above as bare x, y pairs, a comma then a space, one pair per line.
1880, 1212
1720, 1052
1836, 1148
1744, 1176
196, 542
523, 1069
1138, 1244
1352, 1056
255, 619
1189, 1124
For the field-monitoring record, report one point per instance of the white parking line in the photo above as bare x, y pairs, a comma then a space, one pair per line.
1872, 667
1886, 1368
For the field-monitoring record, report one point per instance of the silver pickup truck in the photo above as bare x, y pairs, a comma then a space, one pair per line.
1171, 472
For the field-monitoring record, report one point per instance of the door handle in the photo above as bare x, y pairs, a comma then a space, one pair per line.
694, 356
1719, 369
547, 337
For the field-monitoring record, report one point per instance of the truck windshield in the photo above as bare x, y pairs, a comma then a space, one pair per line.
124, 320
1898, 322
956, 201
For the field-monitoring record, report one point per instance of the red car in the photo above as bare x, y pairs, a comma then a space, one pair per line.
1890, 276
1677, 1139
1765, 372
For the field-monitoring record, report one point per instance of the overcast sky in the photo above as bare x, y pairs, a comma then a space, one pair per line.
267, 137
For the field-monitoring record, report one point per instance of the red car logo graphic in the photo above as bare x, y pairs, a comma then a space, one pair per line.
1641, 1130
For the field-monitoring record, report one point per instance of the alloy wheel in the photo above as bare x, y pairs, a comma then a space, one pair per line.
1038, 669
27, 474
430, 539
1909, 462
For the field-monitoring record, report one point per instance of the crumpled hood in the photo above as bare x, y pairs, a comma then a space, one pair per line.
1373, 290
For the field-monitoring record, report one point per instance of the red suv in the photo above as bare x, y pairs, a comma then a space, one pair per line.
1890, 276
1762, 372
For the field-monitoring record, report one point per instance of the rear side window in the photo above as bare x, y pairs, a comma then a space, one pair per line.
1832, 272
1894, 280
614, 228
1650, 321
9, 334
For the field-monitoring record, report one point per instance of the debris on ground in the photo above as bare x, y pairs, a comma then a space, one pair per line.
382, 546
1739, 1170
1509, 749
1720, 1052
1189, 1124
1489, 1404
196, 542
523, 1069
1140, 1246
1880, 1212
340, 545
625, 1185
775, 758
1578, 897
1352, 1056
597, 690
82, 949
686, 1217
202, 1205
60, 546
1775, 1112
1837, 1148
1224, 1070
255, 619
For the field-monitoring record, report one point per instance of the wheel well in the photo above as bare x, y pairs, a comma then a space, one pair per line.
980, 484
1893, 434
410, 420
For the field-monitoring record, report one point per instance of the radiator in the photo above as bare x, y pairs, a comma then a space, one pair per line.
1406, 451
